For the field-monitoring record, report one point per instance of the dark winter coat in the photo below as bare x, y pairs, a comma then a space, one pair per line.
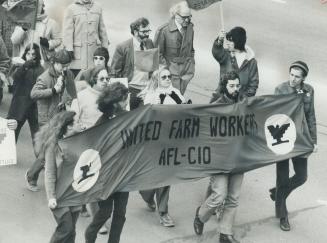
24, 80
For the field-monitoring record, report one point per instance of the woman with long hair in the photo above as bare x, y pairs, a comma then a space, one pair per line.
160, 91
46, 145
22, 107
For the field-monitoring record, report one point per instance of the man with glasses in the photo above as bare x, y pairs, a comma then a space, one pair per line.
175, 42
53, 90
123, 60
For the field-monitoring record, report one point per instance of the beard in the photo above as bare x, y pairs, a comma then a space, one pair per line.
233, 96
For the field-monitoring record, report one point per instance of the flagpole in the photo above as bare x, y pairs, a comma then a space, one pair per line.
34, 24
221, 10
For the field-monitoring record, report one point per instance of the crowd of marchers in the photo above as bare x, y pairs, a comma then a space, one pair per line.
61, 85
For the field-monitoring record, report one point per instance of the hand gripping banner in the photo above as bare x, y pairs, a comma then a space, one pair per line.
160, 145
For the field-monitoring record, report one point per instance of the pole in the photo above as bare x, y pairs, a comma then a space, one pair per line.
222, 15
34, 24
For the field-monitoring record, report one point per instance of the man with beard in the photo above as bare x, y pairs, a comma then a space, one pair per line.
123, 60
225, 188
175, 42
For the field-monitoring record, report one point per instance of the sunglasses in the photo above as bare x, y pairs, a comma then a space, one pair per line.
104, 79
166, 77
98, 58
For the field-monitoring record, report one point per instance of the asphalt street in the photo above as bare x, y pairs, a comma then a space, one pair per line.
279, 32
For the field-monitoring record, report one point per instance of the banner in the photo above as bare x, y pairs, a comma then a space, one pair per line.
19, 12
7, 144
147, 60
200, 4
159, 145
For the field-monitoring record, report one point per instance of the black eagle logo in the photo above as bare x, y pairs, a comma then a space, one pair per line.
277, 132
85, 169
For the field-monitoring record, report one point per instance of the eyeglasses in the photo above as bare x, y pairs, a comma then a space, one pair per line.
102, 79
166, 77
98, 58
185, 17
145, 31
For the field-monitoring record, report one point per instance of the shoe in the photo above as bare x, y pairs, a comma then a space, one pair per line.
223, 238
151, 206
31, 185
166, 220
197, 223
284, 224
273, 193
103, 230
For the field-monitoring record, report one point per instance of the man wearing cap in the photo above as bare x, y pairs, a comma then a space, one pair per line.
298, 72
175, 42
236, 57
53, 90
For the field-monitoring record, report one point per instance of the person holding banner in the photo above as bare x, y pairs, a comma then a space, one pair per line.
160, 91
53, 90
225, 188
22, 107
112, 102
237, 57
47, 35
83, 32
175, 42
123, 62
298, 72
46, 143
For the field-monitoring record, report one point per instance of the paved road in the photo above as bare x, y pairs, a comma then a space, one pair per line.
279, 33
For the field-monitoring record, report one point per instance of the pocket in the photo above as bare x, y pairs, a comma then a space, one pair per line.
77, 50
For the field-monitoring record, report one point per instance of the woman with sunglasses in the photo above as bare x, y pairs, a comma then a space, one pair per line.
85, 105
160, 91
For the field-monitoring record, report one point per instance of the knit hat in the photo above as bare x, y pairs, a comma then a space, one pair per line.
102, 52
62, 56
238, 36
302, 65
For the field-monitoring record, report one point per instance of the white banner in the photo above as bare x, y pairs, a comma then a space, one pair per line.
7, 144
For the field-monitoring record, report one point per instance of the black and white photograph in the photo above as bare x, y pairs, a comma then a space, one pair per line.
163, 121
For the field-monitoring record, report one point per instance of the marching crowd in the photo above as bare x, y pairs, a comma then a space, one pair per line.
62, 84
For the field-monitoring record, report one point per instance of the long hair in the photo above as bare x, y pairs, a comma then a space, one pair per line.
110, 96
36, 49
53, 130
153, 83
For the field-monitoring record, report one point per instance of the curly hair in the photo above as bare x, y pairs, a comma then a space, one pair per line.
110, 96
232, 75
138, 23
53, 130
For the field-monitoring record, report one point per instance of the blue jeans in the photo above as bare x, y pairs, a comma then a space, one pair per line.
226, 189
